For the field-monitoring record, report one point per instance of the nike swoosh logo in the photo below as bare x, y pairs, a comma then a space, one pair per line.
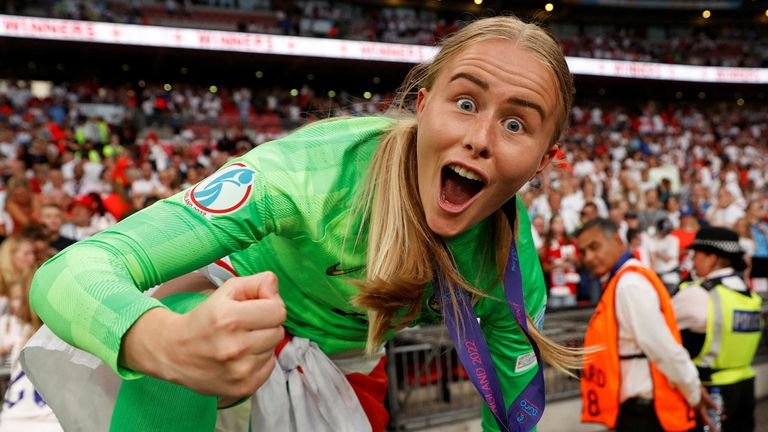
334, 270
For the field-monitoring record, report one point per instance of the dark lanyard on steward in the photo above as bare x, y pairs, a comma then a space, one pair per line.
527, 409
622, 259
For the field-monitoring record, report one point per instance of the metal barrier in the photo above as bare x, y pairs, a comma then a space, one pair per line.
428, 386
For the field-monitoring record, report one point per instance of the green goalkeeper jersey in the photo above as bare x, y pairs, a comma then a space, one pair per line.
286, 206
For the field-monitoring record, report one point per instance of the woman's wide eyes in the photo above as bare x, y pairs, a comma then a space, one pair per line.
465, 104
513, 125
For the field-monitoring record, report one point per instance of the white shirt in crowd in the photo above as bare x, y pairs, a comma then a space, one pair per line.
666, 247
642, 329
725, 217
75, 232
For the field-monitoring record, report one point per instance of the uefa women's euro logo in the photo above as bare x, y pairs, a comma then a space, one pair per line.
222, 193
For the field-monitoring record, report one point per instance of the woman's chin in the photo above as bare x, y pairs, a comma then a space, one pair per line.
445, 228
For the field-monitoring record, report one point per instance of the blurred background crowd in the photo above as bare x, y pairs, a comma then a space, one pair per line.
659, 169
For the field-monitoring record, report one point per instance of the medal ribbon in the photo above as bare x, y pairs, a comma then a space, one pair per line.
526, 410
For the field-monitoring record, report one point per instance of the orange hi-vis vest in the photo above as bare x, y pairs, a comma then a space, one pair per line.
601, 377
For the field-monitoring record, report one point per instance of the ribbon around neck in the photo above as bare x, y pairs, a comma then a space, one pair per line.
526, 410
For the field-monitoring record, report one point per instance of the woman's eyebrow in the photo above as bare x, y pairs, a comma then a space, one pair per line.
525, 103
480, 83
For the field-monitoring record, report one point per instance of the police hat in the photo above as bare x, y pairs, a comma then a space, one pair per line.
721, 242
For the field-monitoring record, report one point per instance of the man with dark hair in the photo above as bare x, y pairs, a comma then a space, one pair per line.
719, 318
52, 217
643, 378
588, 212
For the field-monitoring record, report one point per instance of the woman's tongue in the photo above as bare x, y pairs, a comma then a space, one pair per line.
457, 190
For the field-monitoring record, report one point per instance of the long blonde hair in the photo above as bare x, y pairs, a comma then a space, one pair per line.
402, 250
9, 274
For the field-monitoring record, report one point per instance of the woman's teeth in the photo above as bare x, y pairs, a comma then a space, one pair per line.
464, 172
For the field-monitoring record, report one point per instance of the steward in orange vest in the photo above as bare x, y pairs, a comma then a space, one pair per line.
601, 377
601, 382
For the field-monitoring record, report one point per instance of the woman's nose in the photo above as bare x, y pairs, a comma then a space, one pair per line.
478, 137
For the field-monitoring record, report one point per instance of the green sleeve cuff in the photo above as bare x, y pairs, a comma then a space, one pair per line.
113, 356
179, 303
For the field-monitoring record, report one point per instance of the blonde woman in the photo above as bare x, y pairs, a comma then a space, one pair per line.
17, 261
23, 407
349, 229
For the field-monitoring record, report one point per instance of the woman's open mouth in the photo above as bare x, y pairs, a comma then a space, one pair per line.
458, 187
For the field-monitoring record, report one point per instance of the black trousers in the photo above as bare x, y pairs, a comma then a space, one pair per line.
739, 406
638, 415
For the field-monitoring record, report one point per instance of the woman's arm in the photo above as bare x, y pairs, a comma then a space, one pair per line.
190, 282
89, 295
223, 347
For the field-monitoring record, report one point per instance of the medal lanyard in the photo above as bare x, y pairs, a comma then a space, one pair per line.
524, 413
622, 259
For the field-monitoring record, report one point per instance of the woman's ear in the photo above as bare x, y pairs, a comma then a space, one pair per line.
421, 98
548, 157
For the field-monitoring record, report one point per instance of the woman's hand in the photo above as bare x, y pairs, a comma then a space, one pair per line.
223, 347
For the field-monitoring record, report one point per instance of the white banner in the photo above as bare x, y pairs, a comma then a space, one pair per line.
170, 37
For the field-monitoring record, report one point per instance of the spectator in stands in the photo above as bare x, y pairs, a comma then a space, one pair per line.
617, 212
589, 194
685, 234
432, 185
538, 232
653, 211
635, 246
56, 190
664, 249
101, 218
588, 212
720, 320
23, 407
572, 202
756, 214
144, 185
81, 211
633, 222
643, 379
52, 218
12, 330
700, 199
17, 258
726, 212
547, 204
746, 242
672, 209
37, 232
22, 204
559, 263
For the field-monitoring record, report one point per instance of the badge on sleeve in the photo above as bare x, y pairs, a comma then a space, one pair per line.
223, 192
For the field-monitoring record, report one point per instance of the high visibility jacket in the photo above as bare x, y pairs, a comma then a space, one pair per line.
601, 377
734, 327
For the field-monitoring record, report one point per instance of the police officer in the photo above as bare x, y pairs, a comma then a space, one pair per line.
720, 323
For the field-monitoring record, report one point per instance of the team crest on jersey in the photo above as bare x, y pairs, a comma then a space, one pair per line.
222, 193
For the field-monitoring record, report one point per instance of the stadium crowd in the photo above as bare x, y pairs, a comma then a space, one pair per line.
92, 155
712, 45
78, 157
